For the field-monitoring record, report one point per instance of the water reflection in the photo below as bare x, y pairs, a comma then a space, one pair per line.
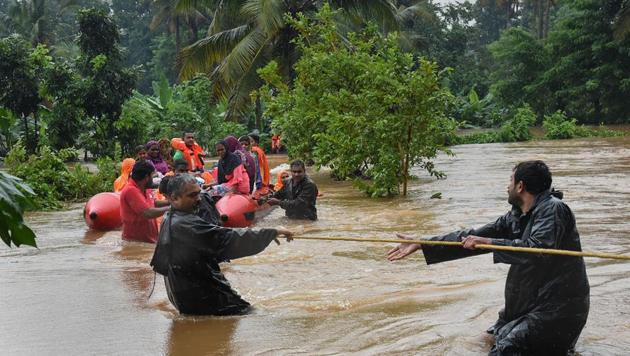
137, 276
201, 336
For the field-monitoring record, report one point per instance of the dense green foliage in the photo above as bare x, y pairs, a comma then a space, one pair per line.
93, 79
15, 197
19, 83
514, 130
107, 84
246, 34
171, 111
359, 105
51, 179
558, 126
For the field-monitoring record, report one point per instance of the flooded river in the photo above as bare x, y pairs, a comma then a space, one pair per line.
86, 292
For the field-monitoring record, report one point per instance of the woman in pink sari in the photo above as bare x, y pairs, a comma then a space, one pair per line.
231, 176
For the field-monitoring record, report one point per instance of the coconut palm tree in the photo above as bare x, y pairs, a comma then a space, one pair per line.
177, 13
35, 19
246, 34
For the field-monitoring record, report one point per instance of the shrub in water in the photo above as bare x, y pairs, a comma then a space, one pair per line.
53, 182
558, 126
517, 129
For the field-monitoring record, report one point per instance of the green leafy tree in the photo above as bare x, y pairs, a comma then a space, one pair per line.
7, 130
163, 60
133, 18
15, 197
518, 127
245, 35
63, 89
106, 83
172, 110
589, 67
558, 126
474, 111
19, 83
520, 59
53, 181
359, 105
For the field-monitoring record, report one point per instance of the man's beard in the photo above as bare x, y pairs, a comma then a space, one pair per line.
513, 199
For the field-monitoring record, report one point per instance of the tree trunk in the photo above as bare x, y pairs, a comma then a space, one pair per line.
259, 123
178, 39
546, 4
27, 139
36, 130
538, 18
406, 164
194, 30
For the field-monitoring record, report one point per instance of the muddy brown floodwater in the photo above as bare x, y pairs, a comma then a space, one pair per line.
85, 292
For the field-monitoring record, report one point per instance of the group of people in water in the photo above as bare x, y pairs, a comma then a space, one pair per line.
546, 296
242, 168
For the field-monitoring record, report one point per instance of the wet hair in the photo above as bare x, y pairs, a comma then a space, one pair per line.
245, 139
177, 183
298, 163
164, 185
141, 170
180, 163
534, 174
140, 148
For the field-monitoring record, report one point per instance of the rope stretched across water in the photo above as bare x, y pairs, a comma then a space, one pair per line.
547, 251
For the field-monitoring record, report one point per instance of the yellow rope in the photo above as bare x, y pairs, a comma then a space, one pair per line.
547, 251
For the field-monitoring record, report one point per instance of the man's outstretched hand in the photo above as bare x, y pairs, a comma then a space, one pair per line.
288, 234
471, 241
403, 250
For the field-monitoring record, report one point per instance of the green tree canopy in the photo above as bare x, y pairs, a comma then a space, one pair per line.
589, 71
359, 105
520, 59
15, 196
106, 83
246, 34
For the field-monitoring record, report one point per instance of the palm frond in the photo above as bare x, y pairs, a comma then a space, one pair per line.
202, 56
420, 10
243, 55
239, 96
190, 6
227, 14
269, 14
236, 77
381, 11
163, 16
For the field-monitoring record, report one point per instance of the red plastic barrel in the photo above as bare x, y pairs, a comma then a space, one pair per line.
102, 212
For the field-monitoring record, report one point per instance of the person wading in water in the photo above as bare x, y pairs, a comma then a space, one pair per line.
546, 296
189, 251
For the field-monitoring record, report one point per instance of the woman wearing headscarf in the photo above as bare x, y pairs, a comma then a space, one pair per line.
125, 171
231, 172
166, 151
155, 157
282, 175
234, 146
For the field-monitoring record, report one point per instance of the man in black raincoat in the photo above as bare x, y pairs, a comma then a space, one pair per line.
189, 250
546, 296
298, 196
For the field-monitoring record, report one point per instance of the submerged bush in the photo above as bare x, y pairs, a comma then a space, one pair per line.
558, 126
53, 182
517, 129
